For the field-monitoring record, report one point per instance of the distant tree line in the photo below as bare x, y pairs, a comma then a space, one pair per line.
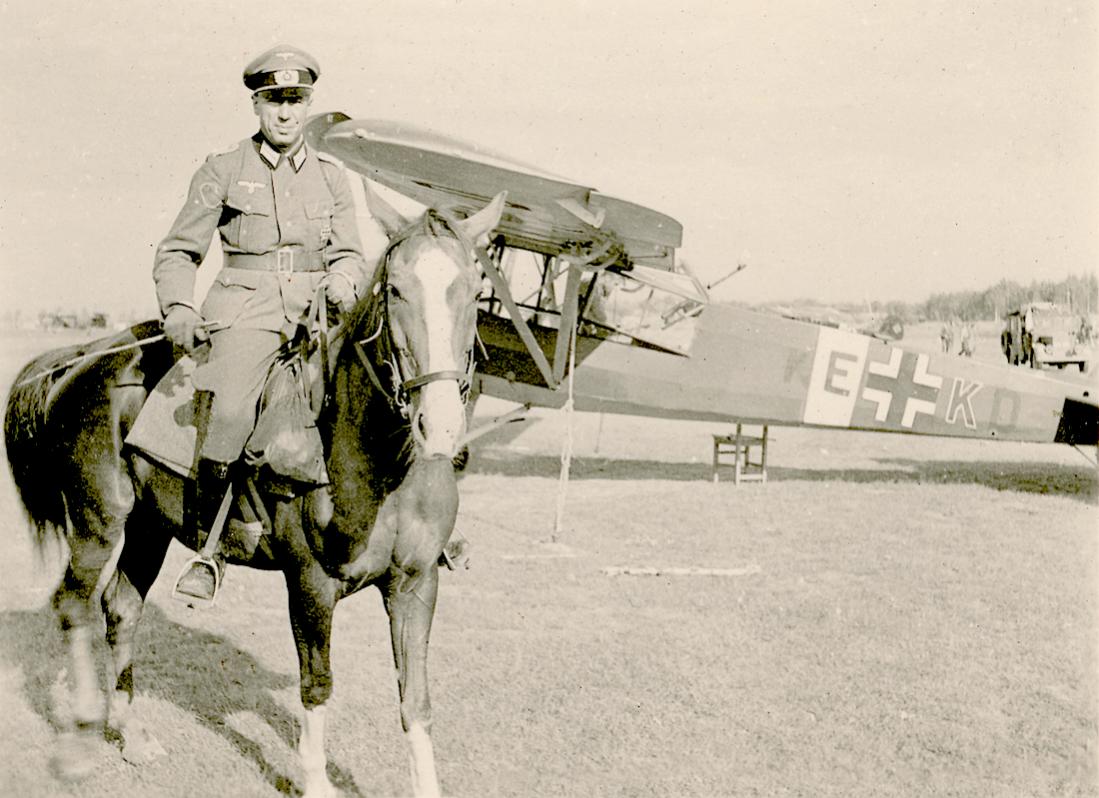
1078, 293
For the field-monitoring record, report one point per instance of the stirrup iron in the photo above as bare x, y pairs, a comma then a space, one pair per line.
198, 602
205, 557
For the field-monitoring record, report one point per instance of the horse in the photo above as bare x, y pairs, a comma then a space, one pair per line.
392, 420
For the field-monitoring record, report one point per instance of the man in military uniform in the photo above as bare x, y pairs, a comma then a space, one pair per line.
287, 225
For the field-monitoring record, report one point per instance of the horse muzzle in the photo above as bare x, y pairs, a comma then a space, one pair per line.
438, 418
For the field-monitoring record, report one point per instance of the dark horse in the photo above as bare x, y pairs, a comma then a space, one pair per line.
394, 417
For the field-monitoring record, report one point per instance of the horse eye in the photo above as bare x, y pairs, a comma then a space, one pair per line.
393, 292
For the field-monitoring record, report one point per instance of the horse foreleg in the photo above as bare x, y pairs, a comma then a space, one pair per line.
410, 601
312, 597
123, 604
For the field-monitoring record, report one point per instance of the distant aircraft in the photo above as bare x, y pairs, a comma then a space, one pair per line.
887, 327
575, 276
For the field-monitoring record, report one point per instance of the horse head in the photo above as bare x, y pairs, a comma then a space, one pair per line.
425, 295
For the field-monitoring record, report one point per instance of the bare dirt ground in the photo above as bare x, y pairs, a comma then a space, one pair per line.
916, 616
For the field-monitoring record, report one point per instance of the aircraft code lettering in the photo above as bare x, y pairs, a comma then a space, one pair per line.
1005, 408
840, 372
961, 402
833, 389
798, 364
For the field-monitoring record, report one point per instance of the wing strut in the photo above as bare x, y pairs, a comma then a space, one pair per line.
502, 291
566, 329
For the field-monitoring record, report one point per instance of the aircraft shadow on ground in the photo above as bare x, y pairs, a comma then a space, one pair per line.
178, 664
1050, 478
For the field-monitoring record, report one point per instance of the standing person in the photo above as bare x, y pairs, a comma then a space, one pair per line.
287, 224
967, 339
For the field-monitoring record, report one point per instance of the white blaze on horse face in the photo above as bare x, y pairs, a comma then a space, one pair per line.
441, 413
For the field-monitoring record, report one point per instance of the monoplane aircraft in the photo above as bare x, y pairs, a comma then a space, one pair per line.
583, 286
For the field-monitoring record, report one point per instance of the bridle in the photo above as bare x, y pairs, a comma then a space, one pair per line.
402, 386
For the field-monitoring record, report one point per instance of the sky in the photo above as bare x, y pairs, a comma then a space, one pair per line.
847, 151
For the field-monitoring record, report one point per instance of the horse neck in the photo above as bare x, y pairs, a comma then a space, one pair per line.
361, 423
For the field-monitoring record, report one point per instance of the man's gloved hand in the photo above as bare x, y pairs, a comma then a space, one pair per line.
181, 325
339, 291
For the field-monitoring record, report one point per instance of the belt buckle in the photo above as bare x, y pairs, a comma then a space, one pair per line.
284, 261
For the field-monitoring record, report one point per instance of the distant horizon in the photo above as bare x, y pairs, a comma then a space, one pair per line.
847, 306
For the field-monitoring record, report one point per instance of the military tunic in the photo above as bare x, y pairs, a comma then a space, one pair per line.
284, 222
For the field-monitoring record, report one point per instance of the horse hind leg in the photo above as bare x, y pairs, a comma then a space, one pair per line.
93, 539
123, 603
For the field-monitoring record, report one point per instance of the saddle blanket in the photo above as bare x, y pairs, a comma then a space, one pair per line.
165, 428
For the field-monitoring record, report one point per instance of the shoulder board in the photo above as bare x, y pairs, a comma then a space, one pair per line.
224, 151
324, 156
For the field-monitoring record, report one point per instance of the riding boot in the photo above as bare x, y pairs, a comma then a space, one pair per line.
202, 578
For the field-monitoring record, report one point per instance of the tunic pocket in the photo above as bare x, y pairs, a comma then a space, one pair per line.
251, 207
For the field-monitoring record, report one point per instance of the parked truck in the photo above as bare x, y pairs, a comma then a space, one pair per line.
1042, 334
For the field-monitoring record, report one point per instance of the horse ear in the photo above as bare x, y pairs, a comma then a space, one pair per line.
385, 214
479, 225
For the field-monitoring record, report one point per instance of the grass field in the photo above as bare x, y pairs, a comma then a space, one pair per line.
916, 616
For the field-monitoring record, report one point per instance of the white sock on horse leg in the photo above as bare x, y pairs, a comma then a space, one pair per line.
421, 757
311, 751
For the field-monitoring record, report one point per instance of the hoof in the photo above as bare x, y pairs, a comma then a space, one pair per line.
141, 747
75, 757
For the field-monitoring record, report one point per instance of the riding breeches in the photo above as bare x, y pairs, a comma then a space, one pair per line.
235, 372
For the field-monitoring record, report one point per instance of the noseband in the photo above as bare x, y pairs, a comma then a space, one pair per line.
400, 395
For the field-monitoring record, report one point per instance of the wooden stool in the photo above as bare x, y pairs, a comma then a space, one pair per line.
739, 445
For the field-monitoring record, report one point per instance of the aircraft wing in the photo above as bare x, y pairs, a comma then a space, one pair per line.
545, 213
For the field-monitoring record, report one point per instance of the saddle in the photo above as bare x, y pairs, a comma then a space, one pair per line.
285, 446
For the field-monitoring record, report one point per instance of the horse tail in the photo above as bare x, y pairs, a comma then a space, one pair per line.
29, 449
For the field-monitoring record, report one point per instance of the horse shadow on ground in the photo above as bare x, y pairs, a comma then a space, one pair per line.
177, 664
1078, 483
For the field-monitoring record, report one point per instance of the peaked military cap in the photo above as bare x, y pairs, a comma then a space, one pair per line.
282, 67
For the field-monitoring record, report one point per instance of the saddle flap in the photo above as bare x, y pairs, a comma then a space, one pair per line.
165, 428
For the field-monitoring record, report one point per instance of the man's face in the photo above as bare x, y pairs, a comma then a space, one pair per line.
281, 115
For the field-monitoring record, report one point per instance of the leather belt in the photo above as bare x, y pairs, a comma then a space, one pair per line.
284, 260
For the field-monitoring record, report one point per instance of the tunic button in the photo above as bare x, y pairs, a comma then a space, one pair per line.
248, 206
